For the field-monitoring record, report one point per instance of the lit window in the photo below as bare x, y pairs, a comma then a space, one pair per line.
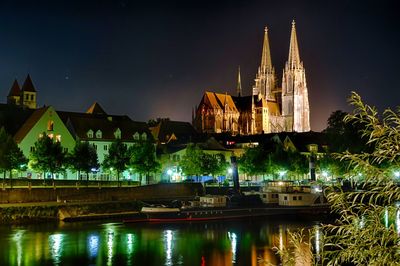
144, 136
99, 134
58, 138
136, 136
90, 133
50, 125
51, 136
117, 133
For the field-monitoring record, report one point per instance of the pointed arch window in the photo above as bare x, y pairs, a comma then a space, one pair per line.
50, 125
144, 136
136, 136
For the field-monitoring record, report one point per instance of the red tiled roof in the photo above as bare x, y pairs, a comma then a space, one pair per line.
28, 85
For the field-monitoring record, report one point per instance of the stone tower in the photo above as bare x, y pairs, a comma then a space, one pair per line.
265, 77
295, 106
24, 96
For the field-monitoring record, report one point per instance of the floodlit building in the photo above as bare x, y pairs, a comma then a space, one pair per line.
269, 109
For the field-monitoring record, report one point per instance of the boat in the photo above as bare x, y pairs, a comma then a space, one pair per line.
214, 210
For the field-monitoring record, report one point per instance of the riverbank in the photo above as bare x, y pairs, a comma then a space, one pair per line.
53, 211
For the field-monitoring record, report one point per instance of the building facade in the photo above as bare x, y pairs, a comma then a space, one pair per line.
269, 108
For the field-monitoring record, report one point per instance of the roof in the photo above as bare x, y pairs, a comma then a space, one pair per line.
212, 144
219, 101
29, 124
95, 108
15, 89
13, 117
79, 125
28, 85
183, 131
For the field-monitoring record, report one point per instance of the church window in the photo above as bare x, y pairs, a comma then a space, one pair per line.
144, 136
90, 134
136, 136
99, 134
117, 133
50, 125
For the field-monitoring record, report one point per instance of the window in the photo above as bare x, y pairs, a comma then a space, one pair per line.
31, 97
285, 198
117, 133
144, 136
65, 150
58, 138
105, 147
300, 197
136, 136
294, 198
95, 146
90, 133
99, 134
50, 125
32, 149
26, 97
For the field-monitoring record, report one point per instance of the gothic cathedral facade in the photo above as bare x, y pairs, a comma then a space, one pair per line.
269, 109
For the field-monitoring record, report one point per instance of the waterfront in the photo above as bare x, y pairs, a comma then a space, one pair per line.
240, 242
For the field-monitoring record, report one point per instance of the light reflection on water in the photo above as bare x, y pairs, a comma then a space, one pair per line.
218, 243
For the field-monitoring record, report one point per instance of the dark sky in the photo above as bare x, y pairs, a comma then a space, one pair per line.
155, 59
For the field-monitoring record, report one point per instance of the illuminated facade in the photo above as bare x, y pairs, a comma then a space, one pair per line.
269, 109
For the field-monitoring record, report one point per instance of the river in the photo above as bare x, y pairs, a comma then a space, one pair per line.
239, 242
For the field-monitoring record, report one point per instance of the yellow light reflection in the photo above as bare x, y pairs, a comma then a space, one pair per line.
17, 238
168, 238
233, 238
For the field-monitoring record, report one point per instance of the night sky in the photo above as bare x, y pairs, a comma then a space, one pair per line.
156, 59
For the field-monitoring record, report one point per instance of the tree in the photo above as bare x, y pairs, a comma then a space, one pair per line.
143, 159
47, 156
254, 161
11, 157
191, 163
343, 135
83, 158
365, 232
117, 158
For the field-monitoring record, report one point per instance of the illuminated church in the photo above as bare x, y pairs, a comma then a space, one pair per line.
269, 109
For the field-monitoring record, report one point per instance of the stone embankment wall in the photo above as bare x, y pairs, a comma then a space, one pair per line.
90, 194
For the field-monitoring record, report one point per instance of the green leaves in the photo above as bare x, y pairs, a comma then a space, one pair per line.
11, 157
143, 158
47, 156
83, 157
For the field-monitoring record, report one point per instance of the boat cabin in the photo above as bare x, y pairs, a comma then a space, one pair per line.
213, 201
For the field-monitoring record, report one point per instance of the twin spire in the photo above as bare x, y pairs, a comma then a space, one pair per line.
294, 55
266, 65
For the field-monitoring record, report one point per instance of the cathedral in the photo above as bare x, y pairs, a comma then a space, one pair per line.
269, 109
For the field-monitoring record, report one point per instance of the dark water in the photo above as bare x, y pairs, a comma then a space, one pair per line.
240, 242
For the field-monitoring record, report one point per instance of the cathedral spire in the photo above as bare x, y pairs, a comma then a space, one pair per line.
294, 56
239, 85
266, 64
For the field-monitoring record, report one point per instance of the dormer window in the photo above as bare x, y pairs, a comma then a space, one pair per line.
99, 134
90, 134
50, 125
136, 136
117, 133
144, 136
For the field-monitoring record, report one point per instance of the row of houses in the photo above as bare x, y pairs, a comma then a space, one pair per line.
26, 124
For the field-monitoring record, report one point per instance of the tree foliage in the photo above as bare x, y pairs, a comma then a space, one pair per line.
365, 232
83, 158
47, 156
11, 157
195, 162
117, 158
143, 158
